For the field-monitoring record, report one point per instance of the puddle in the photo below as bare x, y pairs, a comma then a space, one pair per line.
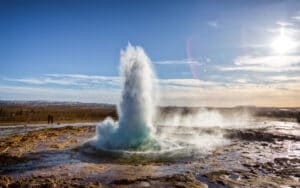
205, 180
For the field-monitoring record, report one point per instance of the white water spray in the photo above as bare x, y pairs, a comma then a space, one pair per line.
136, 110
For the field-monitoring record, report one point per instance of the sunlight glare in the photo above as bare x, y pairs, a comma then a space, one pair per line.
283, 44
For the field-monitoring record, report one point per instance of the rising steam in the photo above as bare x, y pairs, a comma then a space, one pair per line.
203, 118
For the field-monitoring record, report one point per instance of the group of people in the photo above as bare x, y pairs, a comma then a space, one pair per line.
50, 119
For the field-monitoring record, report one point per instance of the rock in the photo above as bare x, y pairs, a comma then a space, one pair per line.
281, 161
144, 184
264, 144
4, 181
6, 159
251, 164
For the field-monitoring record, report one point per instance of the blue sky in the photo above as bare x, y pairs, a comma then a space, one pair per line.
219, 52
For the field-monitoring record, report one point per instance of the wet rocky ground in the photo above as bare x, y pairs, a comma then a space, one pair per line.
261, 156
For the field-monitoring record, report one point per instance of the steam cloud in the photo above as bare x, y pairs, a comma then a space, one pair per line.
204, 118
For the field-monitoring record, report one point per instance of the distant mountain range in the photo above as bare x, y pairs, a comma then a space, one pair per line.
51, 103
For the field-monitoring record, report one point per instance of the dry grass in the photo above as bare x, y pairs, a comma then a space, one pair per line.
12, 114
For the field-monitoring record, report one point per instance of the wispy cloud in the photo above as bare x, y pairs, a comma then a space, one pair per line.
264, 64
297, 18
180, 62
213, 24
191, 83
187, 92
284, 78
59, 94
259, 69
284, 23
69, 80
272, 61
241, 80
84, 77
41, 81
86, 80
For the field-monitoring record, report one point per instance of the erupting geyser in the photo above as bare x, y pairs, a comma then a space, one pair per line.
134, 131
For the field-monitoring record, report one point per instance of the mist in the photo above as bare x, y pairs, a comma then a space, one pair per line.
205, 118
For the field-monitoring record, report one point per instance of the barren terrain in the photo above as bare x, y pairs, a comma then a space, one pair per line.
266, 155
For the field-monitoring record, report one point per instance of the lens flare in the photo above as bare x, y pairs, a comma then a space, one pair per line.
190, 59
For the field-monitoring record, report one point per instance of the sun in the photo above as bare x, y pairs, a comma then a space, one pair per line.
283, 44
